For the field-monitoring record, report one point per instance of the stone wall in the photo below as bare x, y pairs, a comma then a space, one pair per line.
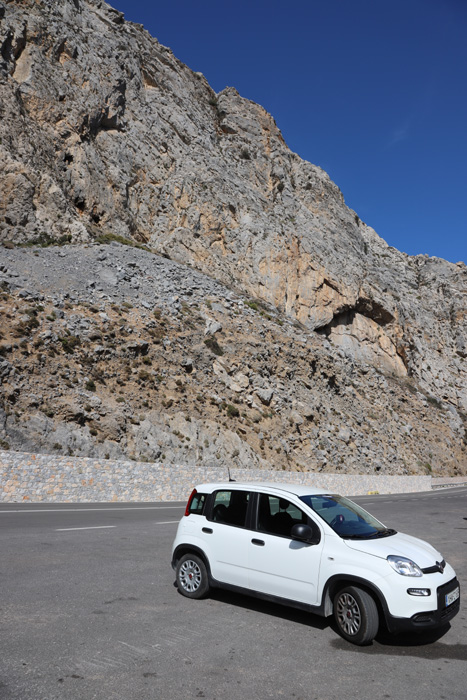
444, 482
46, 478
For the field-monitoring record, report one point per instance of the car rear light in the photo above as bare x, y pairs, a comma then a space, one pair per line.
192, 495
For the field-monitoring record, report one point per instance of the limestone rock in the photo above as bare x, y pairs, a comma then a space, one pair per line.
265, 395
212, 327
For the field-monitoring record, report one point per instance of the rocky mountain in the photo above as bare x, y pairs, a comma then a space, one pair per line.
339, 352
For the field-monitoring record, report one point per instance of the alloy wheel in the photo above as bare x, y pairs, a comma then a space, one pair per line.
348, 614
190, 576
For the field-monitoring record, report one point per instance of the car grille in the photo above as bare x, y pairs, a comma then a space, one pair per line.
438, 568
448, 612
451, 610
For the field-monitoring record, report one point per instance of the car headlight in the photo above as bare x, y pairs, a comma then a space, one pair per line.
404, 566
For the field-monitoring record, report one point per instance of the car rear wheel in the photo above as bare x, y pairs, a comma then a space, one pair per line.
356, 615
192, 576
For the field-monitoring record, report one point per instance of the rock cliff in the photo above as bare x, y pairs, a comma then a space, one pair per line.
105, 134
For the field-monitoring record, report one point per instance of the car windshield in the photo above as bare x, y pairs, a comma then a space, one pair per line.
346, 518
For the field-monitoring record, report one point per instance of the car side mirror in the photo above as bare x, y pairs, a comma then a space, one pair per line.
304, 533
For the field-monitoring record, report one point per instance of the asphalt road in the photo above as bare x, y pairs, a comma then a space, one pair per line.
88, 610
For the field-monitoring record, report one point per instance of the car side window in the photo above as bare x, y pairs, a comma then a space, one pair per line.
229, 507
197, 504
277, 516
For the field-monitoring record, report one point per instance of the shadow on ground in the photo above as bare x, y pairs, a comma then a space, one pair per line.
425, 645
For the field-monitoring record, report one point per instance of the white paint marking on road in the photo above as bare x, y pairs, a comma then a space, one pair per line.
139, 650
95, 527
167, 522
85, 510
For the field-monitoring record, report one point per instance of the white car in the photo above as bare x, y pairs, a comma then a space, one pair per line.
313, 550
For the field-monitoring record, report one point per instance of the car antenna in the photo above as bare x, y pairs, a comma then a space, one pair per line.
230, 478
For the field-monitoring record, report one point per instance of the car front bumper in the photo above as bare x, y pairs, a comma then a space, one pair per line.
430, 619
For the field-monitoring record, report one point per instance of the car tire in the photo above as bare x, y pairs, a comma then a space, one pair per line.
192, 576
356, 615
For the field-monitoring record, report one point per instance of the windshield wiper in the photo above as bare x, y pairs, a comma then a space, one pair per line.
385, 533
370, 535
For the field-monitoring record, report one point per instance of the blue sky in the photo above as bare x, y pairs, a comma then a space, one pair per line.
373, 92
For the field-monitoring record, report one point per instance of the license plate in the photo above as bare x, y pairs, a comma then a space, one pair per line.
451, 597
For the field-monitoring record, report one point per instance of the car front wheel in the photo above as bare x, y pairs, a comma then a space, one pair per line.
356, 615
192, 576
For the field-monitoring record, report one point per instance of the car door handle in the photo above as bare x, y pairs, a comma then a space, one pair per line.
260, 543
207, 530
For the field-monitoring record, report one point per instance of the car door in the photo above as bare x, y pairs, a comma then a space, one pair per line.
227, 537
278, 564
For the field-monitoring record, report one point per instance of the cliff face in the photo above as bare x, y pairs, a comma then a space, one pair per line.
113, 350
104, 132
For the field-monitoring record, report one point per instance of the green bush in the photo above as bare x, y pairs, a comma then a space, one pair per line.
105, 238
69, 343
44, 240
214, 346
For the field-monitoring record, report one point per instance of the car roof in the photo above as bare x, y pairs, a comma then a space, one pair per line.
295, 489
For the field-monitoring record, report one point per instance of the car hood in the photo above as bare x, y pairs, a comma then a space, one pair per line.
412, 548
